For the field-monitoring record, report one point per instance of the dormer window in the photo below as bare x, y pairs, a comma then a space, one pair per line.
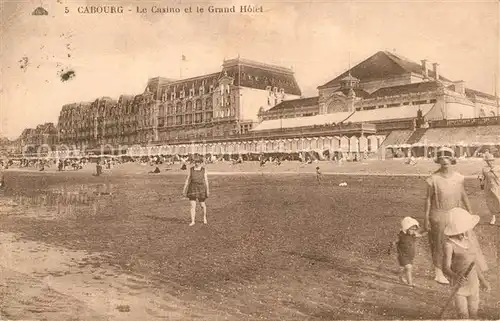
202, 90
191, 92
182, 94
173, 95
211, 88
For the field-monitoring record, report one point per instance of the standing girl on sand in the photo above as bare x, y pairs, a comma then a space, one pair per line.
460, 253
318, 175
445, 190
491, 180
196, 189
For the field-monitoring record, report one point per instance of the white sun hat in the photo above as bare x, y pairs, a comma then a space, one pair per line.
460, 221
408, 222
445, 152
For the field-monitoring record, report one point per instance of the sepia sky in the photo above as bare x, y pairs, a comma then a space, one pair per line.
116, 54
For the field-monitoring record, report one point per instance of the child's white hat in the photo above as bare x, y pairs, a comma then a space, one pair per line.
460, 221
408, 222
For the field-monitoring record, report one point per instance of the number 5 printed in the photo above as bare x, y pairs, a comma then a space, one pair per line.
66, 10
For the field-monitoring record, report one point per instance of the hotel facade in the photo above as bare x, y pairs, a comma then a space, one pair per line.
222, 104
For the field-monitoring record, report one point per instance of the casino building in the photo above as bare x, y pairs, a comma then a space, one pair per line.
383, 88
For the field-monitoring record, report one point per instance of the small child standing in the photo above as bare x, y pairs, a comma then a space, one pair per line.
460, 251
410, 230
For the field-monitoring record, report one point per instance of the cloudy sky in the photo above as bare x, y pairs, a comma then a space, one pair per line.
116, 54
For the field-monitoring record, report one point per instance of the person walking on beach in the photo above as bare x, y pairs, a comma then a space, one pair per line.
491, 180
98, 168
406, 247
445, 190
460, 253
318, 175
196, 189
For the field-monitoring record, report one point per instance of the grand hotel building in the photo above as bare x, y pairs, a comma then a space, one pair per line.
220, 104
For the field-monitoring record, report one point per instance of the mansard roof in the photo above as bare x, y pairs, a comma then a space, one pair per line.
381, 65
246, 73
126, 98
46, 128
188, 83
27, 131
257, 77
295, 103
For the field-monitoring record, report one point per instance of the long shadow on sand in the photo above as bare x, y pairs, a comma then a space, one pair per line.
175, 220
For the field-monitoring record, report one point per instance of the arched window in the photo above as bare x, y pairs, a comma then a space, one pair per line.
492, 114
208, 103
170, 109
198, 104
189, 106
178, 108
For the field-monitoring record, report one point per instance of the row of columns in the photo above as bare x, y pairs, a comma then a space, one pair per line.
343, 144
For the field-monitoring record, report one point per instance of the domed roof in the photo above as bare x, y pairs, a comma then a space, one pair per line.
349, 77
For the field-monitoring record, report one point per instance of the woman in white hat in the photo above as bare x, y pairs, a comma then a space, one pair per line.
445, 190
491, 180
460, 252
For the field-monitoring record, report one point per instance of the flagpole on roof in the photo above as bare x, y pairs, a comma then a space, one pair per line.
349, 63
239, 71
183, 58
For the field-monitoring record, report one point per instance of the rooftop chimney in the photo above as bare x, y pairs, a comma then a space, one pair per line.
459, 87
425, 69
436, 70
